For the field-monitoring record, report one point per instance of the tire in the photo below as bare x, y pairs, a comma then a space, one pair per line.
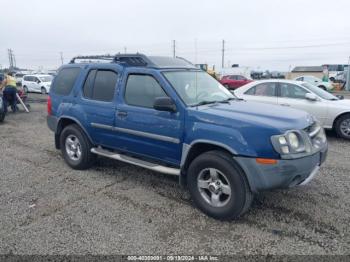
43, 91
323, 87
2, 117
342, 126
332, 79
75, 148
227, 86
202, 188
25, 89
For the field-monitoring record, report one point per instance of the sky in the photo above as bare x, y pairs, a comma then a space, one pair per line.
261, 34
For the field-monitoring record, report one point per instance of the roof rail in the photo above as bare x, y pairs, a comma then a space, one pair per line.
129, 59
92, 57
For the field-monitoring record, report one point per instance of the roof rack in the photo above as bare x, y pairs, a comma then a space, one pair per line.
129, 59
138, 60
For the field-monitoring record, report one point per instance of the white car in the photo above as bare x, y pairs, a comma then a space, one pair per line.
332, 112
37, 83
315, 81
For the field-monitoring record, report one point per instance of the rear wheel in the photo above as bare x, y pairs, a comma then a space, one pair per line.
342, 126
218, 186
2, 117
75, 147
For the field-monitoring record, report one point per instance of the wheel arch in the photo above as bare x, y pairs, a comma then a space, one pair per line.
66, 121
339, 116
196, 148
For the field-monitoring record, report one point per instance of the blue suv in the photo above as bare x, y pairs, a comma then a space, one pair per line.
166, 115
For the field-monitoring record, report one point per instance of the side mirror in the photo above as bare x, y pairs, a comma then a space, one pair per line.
164, 104
311, 96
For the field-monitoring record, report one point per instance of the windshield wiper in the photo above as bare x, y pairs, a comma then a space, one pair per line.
205, 102
228, 100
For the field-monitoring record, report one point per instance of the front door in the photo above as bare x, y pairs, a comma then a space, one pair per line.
142, 129
291, 95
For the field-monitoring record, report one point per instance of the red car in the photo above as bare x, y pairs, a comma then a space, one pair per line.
234, 81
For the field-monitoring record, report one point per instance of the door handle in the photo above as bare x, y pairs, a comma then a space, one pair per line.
122, 113
285, 104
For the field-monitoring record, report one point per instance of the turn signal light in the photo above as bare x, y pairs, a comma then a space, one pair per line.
266, 161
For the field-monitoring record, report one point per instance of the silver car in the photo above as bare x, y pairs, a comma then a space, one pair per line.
332, 112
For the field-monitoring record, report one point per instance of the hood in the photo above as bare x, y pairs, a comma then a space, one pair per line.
255, 114
345, 103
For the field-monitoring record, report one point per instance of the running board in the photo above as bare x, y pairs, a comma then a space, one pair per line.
135, 161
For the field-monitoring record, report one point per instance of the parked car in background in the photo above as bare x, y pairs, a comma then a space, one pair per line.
332, 112
316, 82
37, 83
234, 81
19, 78
168, 116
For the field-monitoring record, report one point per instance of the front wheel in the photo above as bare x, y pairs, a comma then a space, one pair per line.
75, 147
25, 89
218, 186
323, 87
342, 126
43, 91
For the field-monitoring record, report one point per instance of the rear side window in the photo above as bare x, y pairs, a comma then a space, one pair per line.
264, 89
65, 81
142, 90
100, 85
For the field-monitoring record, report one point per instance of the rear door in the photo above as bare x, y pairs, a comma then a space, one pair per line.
142, 129
263, 92
292, 95
98, 104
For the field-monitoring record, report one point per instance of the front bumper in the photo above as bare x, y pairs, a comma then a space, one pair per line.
284, 174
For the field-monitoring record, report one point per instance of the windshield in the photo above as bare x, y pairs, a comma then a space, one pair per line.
318, 91
197, 87
45, 78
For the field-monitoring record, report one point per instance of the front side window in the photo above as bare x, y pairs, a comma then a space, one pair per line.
195, 87
142, 90
292, 91
263, 89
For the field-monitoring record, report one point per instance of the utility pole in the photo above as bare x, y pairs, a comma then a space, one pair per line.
10, 54
125, 49
223, 54
174, 48
195, 51
61, 54
348, 77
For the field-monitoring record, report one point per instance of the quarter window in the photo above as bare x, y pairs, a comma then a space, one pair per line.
142, 90
263, 89
65, 81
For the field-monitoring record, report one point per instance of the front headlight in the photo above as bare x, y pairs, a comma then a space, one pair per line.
292, 142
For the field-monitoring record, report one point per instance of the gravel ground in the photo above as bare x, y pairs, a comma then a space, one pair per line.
116, 208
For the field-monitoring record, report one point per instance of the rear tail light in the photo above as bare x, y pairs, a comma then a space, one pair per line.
49, 110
